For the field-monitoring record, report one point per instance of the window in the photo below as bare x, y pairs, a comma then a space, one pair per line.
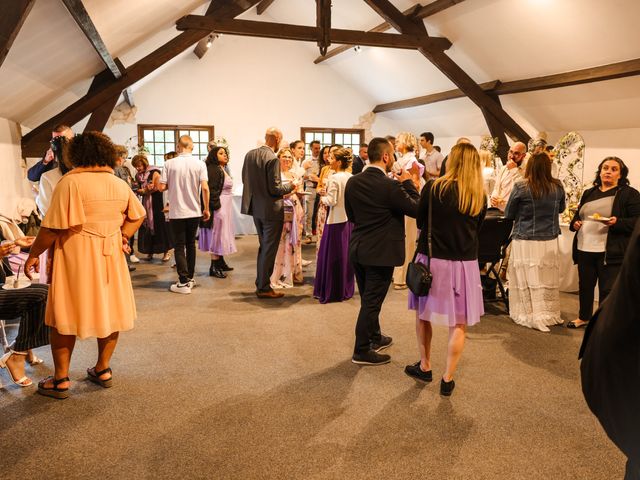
160, 139
347, 137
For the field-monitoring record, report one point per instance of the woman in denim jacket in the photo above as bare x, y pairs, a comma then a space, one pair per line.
534, 276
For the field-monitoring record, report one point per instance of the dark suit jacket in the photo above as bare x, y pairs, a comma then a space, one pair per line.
376, 205
262, 188
611, 357
357, 166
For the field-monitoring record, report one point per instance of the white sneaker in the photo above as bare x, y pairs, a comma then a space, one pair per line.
180, 288
191, 283
306, 263
134, 259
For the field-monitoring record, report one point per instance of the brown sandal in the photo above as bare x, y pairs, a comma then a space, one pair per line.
95, 377
55, 391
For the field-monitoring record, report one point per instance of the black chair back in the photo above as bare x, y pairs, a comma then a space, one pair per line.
494, 237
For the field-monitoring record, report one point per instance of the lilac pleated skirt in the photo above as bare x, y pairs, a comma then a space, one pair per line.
335, 279
455, 297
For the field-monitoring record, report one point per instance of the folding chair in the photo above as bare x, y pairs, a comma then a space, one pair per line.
494, 238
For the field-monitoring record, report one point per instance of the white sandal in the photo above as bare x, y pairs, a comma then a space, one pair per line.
24, 381
33, 359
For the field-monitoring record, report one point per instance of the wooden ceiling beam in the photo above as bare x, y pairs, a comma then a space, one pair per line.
323, 24
13, 16
308, 34
263, 5
428, 99
223, 9
497, 131
94, 99
449, 68
628, 68
416, 11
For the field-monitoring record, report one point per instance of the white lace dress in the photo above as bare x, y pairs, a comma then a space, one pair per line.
534, 279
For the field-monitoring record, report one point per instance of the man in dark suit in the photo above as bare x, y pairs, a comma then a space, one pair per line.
360, 160
611, 360
262, 198
376, 205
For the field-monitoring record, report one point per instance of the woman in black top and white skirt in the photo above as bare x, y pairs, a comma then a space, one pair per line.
604, 222
455, 299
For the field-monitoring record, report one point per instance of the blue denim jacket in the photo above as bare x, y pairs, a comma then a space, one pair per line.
535, 219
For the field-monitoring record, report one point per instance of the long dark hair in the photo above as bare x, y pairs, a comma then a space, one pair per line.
538, 175
624, 172
212, 157
321, 161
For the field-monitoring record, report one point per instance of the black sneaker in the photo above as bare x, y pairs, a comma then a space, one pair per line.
385, 342
446, 388
370, 358
415, 372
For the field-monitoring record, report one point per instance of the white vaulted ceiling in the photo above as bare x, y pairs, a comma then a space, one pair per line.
51, 63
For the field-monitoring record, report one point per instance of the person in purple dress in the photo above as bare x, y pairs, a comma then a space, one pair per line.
458, 206
335, 279
217, 235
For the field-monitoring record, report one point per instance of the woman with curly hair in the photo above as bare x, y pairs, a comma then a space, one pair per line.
153, 236
604, 221
217, 235
91, 217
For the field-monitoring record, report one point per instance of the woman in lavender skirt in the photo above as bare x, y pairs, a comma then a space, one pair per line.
334, 280
455, 299
217, 235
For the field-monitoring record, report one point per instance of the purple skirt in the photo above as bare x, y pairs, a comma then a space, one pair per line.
335, 279
455, 297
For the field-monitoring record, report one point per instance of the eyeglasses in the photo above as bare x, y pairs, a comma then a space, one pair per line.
516, 153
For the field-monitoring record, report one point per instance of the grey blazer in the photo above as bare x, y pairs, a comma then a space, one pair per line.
262, 189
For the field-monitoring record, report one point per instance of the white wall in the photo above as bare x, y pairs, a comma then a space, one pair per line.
242, 86
12, 171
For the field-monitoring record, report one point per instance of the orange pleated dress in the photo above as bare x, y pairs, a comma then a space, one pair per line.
91, 293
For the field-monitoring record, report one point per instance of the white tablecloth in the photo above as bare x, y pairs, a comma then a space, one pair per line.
242, 223
568, 271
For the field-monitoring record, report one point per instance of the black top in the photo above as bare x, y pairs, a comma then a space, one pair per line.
454, 235
626, 208
376, 205
611, 357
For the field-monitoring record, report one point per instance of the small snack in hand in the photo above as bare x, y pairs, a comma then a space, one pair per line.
596, 216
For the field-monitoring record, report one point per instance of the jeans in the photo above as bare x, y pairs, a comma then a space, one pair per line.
184, 235
373, 284
592, 270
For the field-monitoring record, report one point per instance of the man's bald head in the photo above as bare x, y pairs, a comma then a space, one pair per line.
517, 152
273, 137
185, 144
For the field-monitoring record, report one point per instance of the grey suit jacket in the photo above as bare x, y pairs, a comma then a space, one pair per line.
262, 187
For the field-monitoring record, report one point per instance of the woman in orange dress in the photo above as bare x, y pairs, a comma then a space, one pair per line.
92, 215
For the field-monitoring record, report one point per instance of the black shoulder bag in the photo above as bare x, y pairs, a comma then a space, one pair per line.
419, 276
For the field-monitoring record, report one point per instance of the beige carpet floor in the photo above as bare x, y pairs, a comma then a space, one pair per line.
221, 385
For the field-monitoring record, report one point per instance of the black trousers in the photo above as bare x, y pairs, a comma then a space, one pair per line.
28, 304
592, 270
632, 472
269, 232
373, 285
184, 235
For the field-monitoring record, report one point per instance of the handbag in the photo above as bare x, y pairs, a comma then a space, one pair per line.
288, 213
419, 275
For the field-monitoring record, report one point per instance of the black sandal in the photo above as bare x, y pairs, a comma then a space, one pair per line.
55, 391
95, 377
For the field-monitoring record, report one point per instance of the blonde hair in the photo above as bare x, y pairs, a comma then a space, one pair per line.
463, 170
407, 139
122, 151
486, 158
344, 156
140, 160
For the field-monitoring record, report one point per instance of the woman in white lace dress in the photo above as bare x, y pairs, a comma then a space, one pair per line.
535, 205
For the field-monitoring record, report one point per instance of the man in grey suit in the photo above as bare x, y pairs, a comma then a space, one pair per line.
262, 198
